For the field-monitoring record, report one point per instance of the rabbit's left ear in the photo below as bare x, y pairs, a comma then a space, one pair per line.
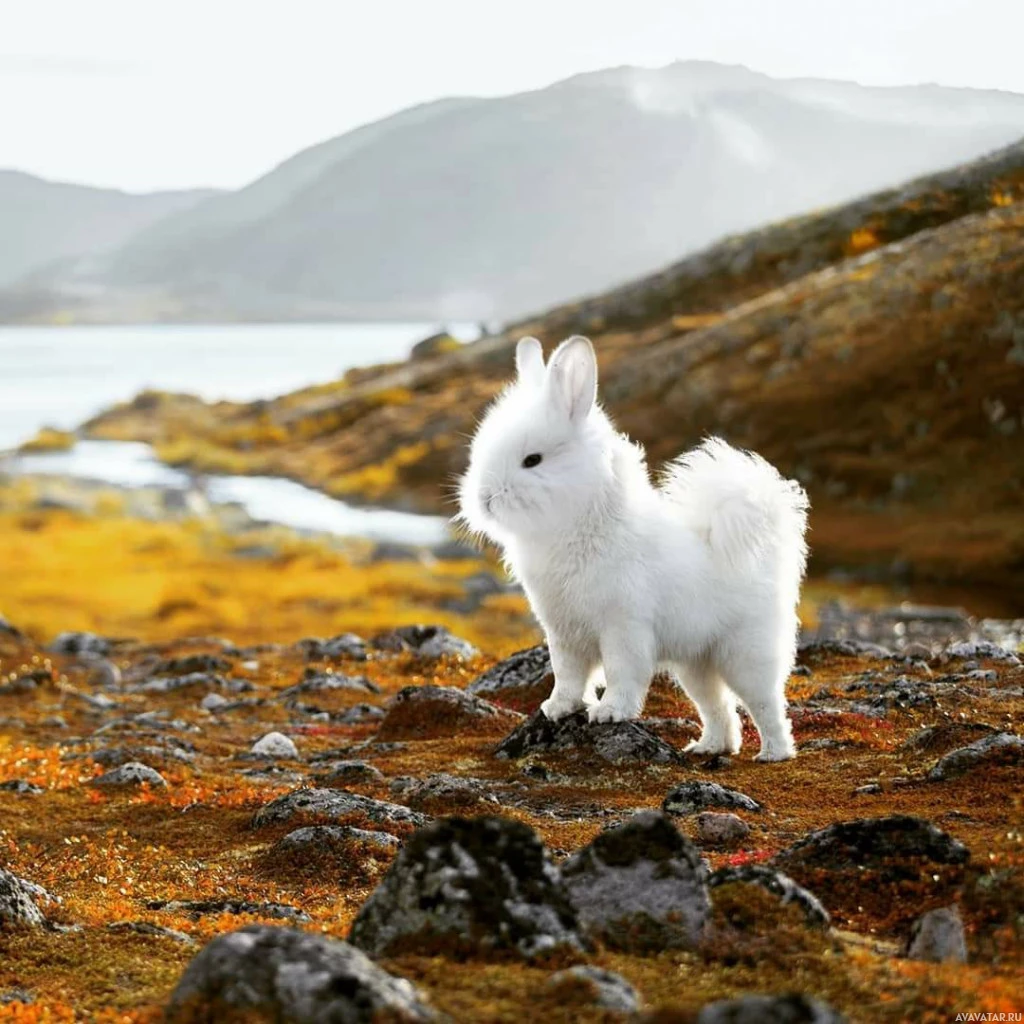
572, 377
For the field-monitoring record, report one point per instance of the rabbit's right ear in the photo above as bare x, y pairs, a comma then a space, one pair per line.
530, 362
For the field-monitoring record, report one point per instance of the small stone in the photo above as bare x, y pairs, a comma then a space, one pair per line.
17, 904
938, 936
315, 839
640, 887
196, 909
21, 787
332, 803
605, 989
318, 682
80, 643
523, 680
423, 712
715, 829
789, 1009
428, 642
146, 928
996, 749
981, 649
286, 975
277, 746
477, 885
444, 793
214, 702
133, 773
347, 772
870, 789
347, 645
691, 797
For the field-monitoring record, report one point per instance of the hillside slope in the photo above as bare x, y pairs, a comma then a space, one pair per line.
46, 221
490, 209
875, 351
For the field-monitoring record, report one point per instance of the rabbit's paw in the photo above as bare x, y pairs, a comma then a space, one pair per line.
711, 746
558, 706
783, 751
606, 710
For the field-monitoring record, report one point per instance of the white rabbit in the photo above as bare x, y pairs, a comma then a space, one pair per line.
700, 575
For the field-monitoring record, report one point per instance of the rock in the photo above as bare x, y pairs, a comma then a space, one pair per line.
523, 680
975, 649
346, 645
332, 803
191, 681
16, 995
191, 664
777, 884
691, 797
285, 975
79, 643
615, 742
640, 887
429, 642
869, 789
318, 682
196, 909
424, 712
133, 773
214, 702
165, 753
275, 745
21, 787
948, 736
155, 930
348, 771
938, 936
602, 988
474, 885
874, 842
435, 345
996, 749
316, 839
715, 829
789, 1009
443, 793
17, 903
818, 650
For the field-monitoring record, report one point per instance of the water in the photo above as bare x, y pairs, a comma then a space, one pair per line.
60, 377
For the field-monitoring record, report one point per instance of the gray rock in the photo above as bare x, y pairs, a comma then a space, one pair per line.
714, 829
994, 749
16, 995
878, 843
275, 745
315, 839
938, 936
155, 930
972, 649
610, 991
21, 787
615, 742
789, 1009
816, 650
18, 903
347, 645
525, 673
429, 642
335, 772
318, 682
290, 976
476, 884
777, 884
454, 791
692, 797
196, 909
332, 803
214, 702
191, 664
133, 773
641, 886
425, 711
191, 681
79, 643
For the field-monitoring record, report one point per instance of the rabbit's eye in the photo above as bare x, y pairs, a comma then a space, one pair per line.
532, 460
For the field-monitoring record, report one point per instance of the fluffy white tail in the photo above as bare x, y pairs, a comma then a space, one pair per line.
744, 507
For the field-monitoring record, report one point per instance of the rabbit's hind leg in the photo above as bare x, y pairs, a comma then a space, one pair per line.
721, 731
759, 680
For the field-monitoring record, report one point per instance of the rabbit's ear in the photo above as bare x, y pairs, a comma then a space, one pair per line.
572, 377
530, 361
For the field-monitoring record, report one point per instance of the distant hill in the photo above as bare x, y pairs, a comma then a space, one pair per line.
494, 208
42, 222
874, 350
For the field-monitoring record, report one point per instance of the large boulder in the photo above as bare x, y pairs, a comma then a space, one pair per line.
788, 1009
471, 886
289, 977
641, 886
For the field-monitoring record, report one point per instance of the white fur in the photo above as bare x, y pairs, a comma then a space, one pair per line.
700, 575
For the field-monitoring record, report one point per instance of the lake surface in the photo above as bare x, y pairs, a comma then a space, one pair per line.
61, 376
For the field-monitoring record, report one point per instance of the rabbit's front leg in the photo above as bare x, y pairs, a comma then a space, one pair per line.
571, 668
628, 656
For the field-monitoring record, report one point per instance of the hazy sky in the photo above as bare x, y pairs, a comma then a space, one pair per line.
145, 94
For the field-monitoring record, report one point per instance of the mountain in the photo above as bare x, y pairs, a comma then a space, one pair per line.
874, 350
493, 208
47, 221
